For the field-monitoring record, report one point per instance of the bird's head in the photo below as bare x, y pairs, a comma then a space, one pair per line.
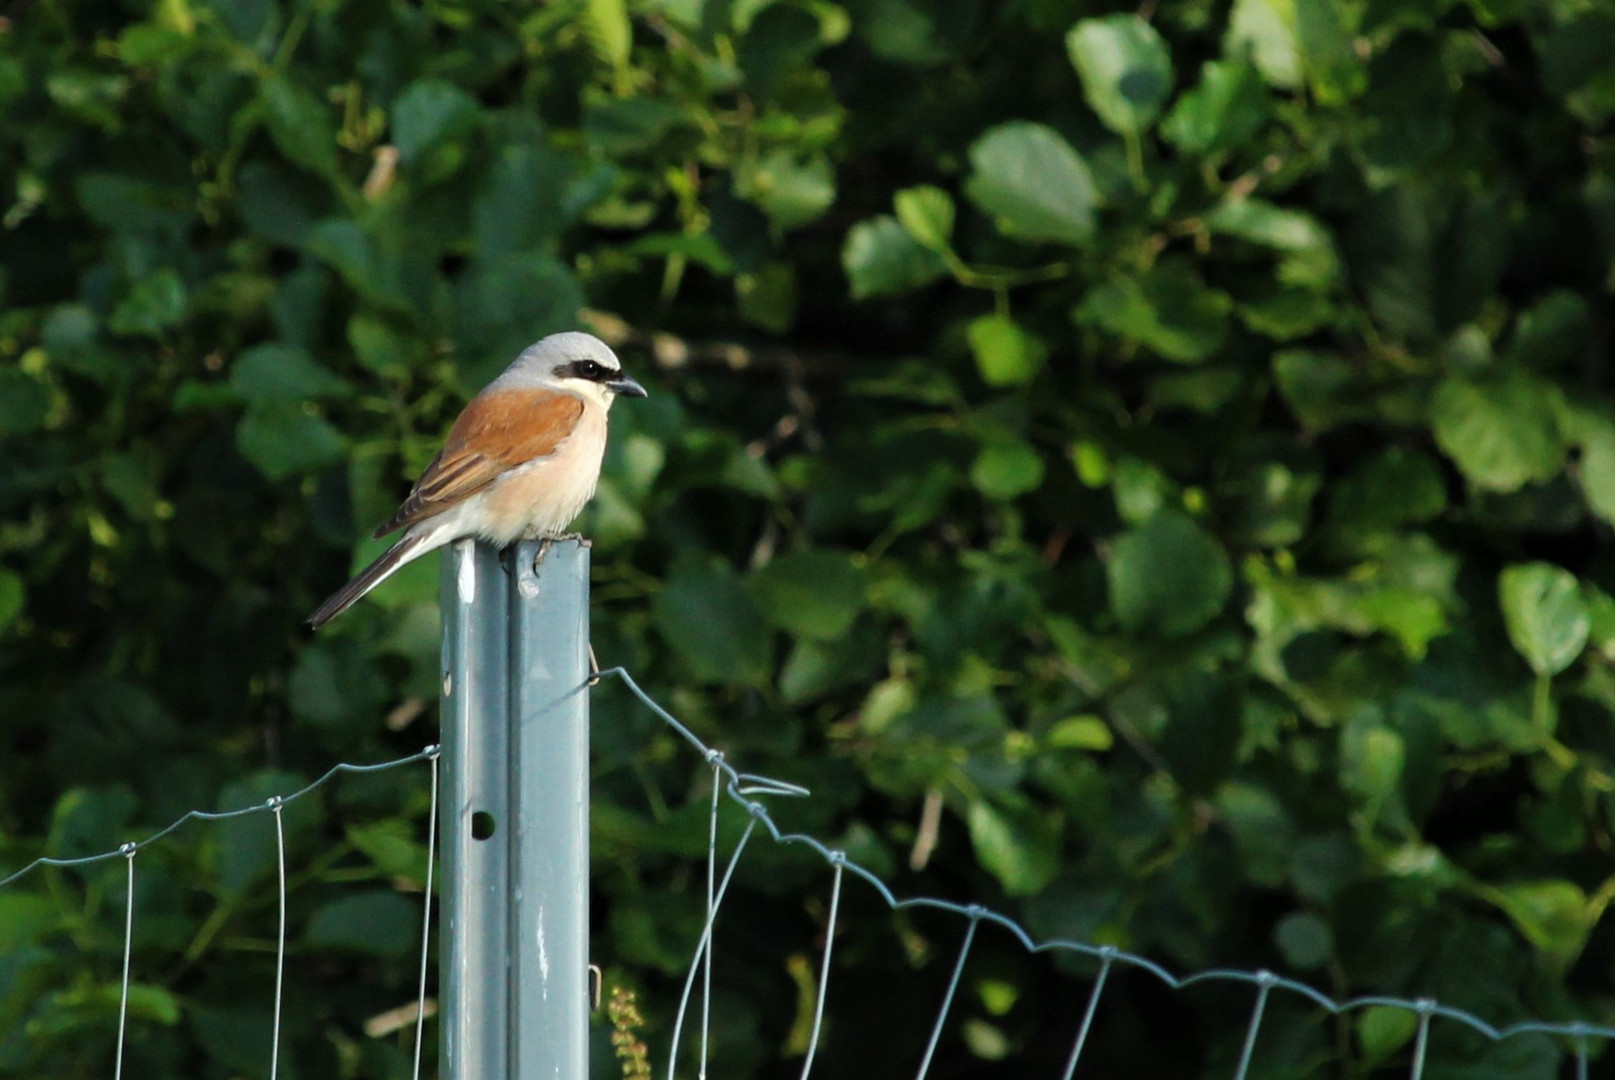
576, 362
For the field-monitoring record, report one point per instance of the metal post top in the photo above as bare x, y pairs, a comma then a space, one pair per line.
516, 751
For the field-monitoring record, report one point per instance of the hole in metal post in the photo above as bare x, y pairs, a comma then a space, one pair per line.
482, 825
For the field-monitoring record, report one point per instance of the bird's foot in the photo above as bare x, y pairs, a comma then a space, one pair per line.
547, 542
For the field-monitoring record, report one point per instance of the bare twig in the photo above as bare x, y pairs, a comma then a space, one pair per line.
930, 828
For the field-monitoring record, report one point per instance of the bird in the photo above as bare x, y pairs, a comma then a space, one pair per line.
519, 463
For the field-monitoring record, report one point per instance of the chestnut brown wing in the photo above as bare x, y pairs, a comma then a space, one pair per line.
496, 432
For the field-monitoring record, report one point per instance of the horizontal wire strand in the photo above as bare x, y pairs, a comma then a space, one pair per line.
741, 784
206, 815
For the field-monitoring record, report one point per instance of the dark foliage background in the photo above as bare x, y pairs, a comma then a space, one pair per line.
1175, 443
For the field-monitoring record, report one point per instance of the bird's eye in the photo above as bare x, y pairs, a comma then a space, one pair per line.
588, 369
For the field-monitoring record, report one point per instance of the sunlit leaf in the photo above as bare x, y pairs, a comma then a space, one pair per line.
1033, 184
1545, 614
881, 257
1125, 67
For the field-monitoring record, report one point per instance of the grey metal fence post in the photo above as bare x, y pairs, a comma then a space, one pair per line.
515, 813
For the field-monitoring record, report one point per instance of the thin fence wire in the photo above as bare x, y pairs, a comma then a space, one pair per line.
274, 806
741, 789
745, 789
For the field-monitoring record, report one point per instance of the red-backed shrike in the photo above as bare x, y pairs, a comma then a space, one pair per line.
519, 463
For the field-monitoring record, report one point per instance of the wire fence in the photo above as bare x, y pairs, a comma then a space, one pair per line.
275, 805
745, 790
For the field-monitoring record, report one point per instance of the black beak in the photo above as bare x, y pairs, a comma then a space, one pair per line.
627, 387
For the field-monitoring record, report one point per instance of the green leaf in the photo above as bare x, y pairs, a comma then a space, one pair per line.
913, 32
1545, 614
1577, 54
1006, 355
817, 668
24, 918
24, 402
1395, 487
791, 187
812, 594
1085, 732
1334, 71
1322, 390
1264, 32
390, 844
1286, 314
244, 847
1310, 259
1033, 184
156, 303
282, 438
300, 124
1005, 469
13, 595
609, 32
620, 126
1552, 332
1502, 431
1382, 1030
1263, 833
1413, 610
284, 372
69, 335
379, 346
768, 297
927, 213
373, 269
1168, 309
1141, 490
373, 922
505, 304
1168, 577
1594, 433
521, 204
1372, 758
153, 1003
1554, 915
1222, 113
1601, 621
881, 258
709, 619
231, 1036
427, 113
1305, 940
1125, 68
89, 821
779, 43
334, 684
1018, 844
279, 203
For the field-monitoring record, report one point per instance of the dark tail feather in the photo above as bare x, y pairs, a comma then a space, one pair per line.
371, 576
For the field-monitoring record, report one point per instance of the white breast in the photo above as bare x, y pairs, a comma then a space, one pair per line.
542, 497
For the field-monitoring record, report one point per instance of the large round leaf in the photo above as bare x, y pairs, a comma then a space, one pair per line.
1168, 576
1545, 613
1033, 183
1125, 67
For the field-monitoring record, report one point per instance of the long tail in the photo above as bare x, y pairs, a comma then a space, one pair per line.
409, 547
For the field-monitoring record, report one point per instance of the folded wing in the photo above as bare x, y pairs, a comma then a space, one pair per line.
496, 433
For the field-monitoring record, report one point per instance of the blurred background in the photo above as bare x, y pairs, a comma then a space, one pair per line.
1148, 470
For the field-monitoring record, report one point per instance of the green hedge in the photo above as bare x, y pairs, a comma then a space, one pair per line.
1180, 444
